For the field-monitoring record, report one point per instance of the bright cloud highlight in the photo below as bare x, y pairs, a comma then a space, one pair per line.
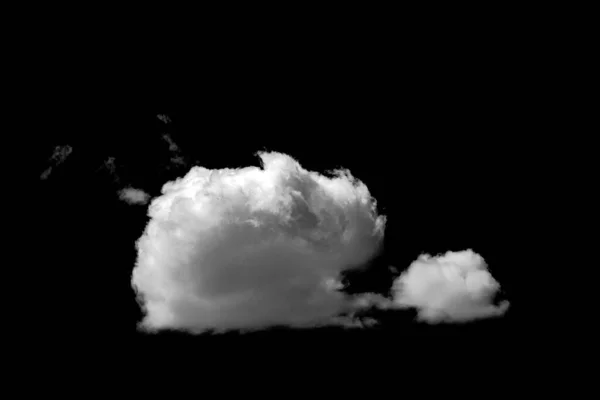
251, 248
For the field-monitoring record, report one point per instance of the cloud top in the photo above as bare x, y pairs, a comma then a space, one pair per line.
453, 287
253, 247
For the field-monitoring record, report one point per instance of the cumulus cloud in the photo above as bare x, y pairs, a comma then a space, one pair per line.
134, 196
254, 247
453, 287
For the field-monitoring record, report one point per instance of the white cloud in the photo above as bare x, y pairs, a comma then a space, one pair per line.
452, 288
250, 248
134, 196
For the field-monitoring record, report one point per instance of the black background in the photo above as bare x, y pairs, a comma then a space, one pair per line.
439, 133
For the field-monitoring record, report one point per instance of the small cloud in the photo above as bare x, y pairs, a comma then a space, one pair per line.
46, 173
110, 166
367, 301
164, 118
454, 287
134, 196
176, 156
172, 145
59, 155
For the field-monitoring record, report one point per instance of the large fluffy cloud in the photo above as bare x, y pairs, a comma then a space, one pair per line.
249, 248
451, 288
